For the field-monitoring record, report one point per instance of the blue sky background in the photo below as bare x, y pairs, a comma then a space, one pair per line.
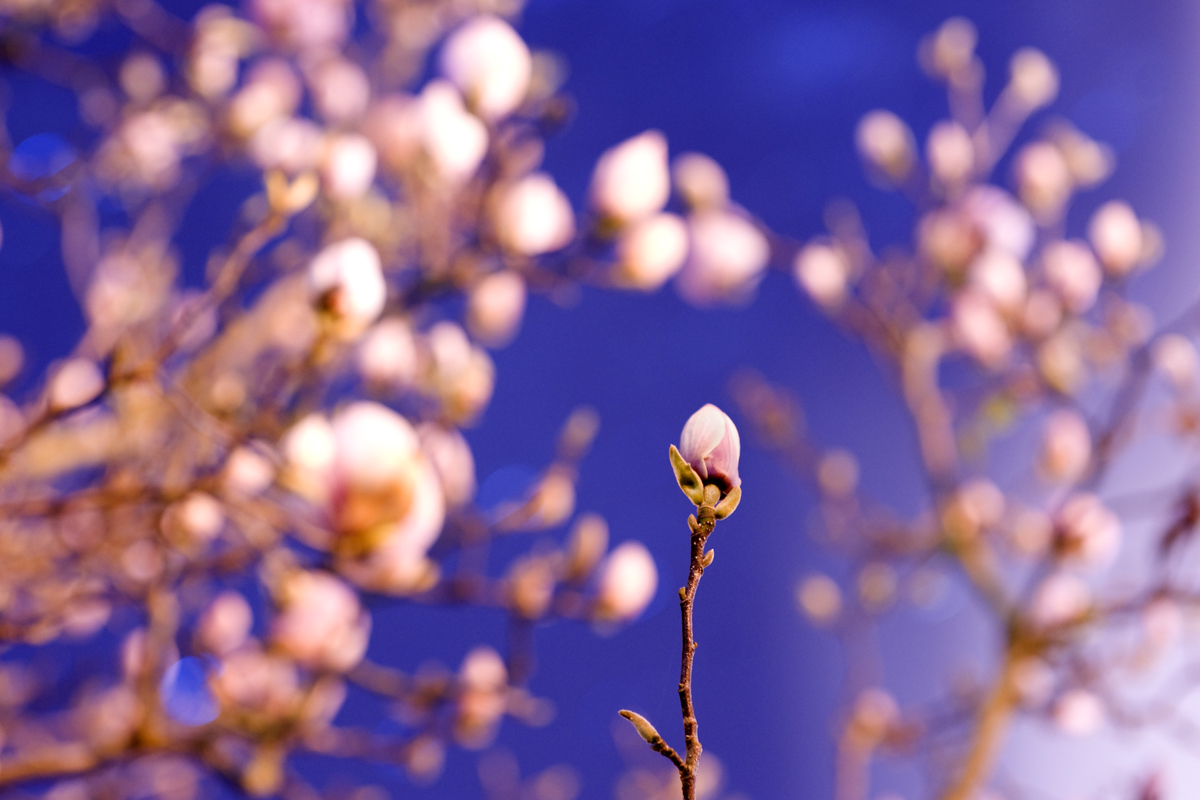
772, 90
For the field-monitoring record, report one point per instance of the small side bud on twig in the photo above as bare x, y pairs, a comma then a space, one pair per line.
728, 505
708, 559
642, 726
687, 478
693, 523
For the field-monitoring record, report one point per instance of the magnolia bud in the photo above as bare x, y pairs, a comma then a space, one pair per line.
1066, 446
1071, 270
951, 154
1088, 532
1116, 234
628, 580
886, 144
1043, 180
642, 726
700, 181
347, 279
490, 64
1079, 712
711, 445
348, 167
651, 250
631, 180
495, 307
727, 258
454, 140
76, 382
533, 216
822, 272
1034, 78
1177, 359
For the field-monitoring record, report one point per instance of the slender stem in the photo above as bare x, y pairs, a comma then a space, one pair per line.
706, 521
993, 720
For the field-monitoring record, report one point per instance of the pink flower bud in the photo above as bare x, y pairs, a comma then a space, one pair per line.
387, 354
495, 307
1066, 446
1116, 233
628, 580
454, 139
1089, 534
1060, 599
822, 272
1072, 271
490, 64
728, 256
632, 180
348, 167
533, 216
341, 90
951, 153
886, 144
225, 624
700, 181
348, 279
1043, 180
76, 382
321, 623
1034, 78
710, 443
651, 250
1079, 712
1003, 222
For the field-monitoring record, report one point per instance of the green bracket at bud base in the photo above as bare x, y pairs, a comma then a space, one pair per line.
728, 505
687, 478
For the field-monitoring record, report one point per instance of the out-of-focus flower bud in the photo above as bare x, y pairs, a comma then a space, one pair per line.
375, 452
650, 251
309, 449
387, 355
1042, 315
1162, 624
76, 382
199, 516
975, 507
711, 445
1116, 235
12, 358
877, 583
1175, 356
1004, 223
460, 375
819, 599
454, 139
533, 216
628, 580
886, 144
483, 699
1066, 446
495, 307
347, 280
951, 154
700, 181
1060, 599
727, 259
321, 623
873, 716
837, 474
271, 90
341, 91
822, 271
1072, 271
1088, 533
586, 546
248, 471
307, 25
250, 679
1078, 712
950, 49
451, 457
1001, 278
1060, 362
632, 180
948, 240
225, 624
1033, 681
348, 166
490, 64
979, 329
1033, 79
531, 582
290, 144
1043, 180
